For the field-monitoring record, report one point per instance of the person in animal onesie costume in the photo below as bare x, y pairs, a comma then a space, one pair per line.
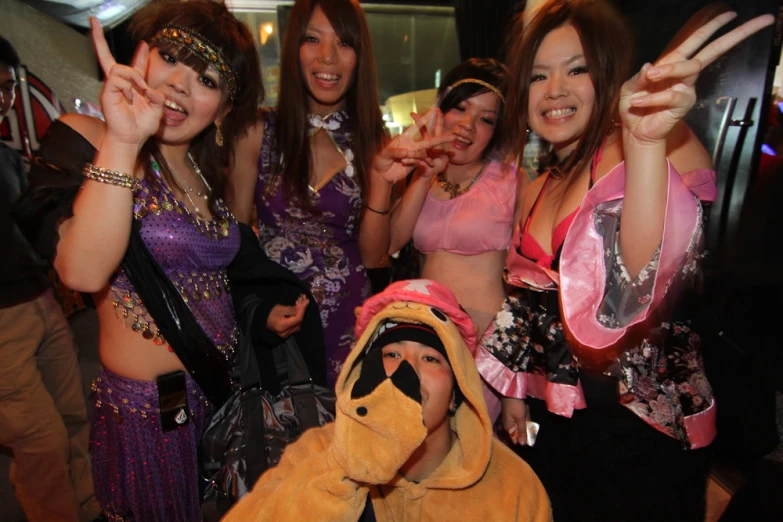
412, 439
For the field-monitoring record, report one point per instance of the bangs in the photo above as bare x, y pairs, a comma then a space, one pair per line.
345, 21
184, 55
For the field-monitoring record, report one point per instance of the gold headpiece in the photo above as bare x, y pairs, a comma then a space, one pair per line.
478, 82
197, 44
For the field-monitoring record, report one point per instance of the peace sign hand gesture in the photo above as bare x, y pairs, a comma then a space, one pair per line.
132, 110
405, 151
437, 158
658, 97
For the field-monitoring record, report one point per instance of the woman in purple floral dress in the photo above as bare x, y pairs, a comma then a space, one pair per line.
318, 245
322, 182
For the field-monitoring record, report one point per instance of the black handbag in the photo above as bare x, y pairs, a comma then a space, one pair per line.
406, 264
249, 433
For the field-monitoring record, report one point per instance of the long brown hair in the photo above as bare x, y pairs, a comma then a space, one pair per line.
607, 42
367, 129
213, 21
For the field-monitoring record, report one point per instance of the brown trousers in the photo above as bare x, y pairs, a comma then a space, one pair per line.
43, 418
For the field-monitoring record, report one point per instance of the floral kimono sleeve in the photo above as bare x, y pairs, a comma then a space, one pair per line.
600, 301
624, 297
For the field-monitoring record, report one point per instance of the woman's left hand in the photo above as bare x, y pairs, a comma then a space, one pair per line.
659, 96
284, 321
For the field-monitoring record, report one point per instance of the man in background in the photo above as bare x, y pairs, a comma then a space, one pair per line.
43, 418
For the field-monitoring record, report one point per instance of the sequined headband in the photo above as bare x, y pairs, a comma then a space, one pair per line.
197, 44
478, 82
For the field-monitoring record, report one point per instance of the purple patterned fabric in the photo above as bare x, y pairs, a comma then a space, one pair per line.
144, 474
193, 253
319, 247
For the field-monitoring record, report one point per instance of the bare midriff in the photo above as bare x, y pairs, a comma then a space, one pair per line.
127, 353
477, 281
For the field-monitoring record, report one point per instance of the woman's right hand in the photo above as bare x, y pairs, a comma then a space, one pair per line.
513, 417
417, 145
431, 126
658, 97
131, 109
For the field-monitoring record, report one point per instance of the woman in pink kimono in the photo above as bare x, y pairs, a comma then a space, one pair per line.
586, 345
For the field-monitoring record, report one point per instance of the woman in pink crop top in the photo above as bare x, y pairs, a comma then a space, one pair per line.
609, 236
461, 218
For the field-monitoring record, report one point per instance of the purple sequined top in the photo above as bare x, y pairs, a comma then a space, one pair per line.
194, 254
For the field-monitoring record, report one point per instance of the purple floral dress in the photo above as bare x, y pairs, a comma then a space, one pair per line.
319, 247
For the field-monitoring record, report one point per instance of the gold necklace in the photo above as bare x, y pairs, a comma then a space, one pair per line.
453, 188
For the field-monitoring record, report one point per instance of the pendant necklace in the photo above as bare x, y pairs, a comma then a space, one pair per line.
453, 189
188, 190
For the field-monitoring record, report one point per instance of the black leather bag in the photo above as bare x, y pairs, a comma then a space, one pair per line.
249, 433
406, 265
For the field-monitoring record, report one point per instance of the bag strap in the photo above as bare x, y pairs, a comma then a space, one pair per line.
286, 358
291, 365
246, 370
293, 373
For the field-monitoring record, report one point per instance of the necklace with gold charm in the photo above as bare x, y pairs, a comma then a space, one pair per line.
453, 189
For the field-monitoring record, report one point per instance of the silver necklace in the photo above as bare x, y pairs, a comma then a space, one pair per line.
188, 190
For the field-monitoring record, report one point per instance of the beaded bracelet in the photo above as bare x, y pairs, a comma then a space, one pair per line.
111, 177
368, 207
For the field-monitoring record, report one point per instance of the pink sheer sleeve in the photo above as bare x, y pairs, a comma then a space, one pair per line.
583, 267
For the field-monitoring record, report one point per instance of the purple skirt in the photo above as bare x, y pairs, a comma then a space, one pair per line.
142, 473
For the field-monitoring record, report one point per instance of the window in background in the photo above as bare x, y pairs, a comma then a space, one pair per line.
414, 46
264, 26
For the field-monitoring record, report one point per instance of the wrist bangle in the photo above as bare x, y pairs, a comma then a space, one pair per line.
110, 177
368, 207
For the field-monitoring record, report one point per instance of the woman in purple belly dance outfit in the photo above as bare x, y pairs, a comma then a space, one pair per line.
145, 230
322, 184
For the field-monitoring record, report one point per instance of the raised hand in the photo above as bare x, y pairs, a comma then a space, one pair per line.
132, 110
416, 145
437, 158
659, 96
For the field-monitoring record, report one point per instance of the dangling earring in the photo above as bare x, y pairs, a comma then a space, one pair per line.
218, 135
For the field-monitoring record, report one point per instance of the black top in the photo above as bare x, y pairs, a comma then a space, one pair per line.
368, 515
22, 271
